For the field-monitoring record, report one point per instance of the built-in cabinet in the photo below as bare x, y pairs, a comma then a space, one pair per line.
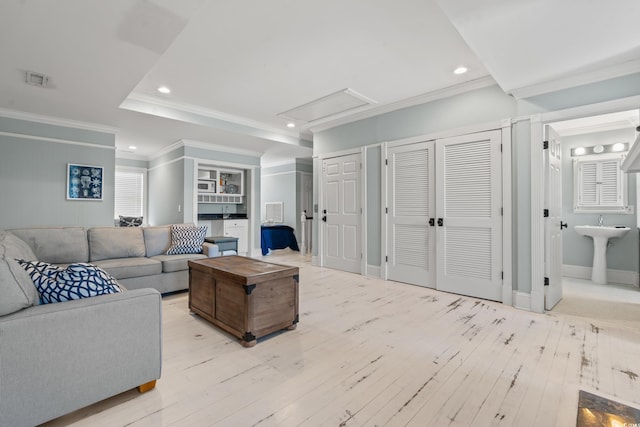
217, 185
238, 228
230, 228
444, 214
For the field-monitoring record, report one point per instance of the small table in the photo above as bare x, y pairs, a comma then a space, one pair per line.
245, 297
277, 237
225, 243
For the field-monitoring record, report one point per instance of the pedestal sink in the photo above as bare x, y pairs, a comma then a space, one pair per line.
601, 235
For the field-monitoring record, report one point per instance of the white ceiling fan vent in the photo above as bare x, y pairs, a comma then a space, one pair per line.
36, 79
330, 105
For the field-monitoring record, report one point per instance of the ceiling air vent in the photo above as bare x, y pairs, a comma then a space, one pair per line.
330, 105
36, 79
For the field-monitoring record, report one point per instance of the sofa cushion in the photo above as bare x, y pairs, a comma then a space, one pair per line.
56, 245
171, 263
115, 242
16, 288
79, 280
124, 268
157, 239
186, 239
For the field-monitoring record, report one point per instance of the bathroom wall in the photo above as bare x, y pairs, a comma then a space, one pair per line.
578, 250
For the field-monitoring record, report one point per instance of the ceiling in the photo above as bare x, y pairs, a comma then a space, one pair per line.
234, 66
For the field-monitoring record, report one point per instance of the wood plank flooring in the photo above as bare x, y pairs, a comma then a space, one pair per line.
373, 353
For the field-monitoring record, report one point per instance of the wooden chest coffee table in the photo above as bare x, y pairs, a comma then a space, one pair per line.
245, 297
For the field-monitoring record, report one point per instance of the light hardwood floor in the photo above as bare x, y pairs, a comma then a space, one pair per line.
373, 353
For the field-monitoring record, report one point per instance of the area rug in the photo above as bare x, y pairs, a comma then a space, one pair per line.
597, 411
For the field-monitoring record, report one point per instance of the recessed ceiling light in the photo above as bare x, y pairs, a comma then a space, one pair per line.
164, 89
291, 125
580, 151
460, 70
132, 147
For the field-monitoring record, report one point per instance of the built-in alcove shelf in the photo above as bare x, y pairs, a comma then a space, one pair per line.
216, 185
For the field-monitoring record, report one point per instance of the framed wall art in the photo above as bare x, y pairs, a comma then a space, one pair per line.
84, 182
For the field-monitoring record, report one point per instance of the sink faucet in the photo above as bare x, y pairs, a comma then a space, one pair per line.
601, 221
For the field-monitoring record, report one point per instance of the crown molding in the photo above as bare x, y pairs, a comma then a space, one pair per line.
368, 112
580, 79
57, 121
218, 147
121, 154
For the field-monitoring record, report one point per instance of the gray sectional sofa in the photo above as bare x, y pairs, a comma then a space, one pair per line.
57, 358
133, 255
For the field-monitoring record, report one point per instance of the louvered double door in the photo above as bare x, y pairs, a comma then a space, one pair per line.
444, 222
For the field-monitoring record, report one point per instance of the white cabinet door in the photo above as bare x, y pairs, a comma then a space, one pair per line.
411, 242
469, 223
238, 228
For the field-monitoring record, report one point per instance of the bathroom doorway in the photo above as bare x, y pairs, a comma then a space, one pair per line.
585, 142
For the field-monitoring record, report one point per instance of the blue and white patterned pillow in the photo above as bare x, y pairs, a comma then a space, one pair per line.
80, 280
186, 239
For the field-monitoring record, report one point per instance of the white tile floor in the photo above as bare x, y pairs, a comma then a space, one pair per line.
615, 303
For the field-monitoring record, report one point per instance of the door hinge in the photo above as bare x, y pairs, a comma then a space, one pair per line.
501, 211
546, 281
386, 259
386, 162
502, 275
545, 213
545, 145
501, 148
386, 210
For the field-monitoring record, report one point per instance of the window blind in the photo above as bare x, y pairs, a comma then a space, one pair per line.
128, 193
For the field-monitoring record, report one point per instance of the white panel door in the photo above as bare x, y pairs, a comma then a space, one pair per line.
553, 223
469, 218
411, 205
341, 213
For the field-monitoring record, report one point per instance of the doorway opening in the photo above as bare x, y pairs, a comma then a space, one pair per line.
587, 142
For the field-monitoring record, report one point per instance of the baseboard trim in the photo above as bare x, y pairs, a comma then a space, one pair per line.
373, 271
624, 277
315, 260
522, 300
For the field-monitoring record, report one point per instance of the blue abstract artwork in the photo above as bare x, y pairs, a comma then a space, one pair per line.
84, 182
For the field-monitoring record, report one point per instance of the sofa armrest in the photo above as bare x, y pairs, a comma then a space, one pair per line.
210, 249
57, 358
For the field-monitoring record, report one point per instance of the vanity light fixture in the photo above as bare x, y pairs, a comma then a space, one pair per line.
291, 125
164, 89
618, 147
132, 147
460, 70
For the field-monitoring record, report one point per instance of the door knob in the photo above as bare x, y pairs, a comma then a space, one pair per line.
432, 222
563, 225
324, 218
440, 222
